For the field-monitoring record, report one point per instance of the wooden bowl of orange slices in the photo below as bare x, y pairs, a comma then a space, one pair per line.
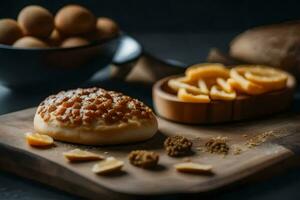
212, 93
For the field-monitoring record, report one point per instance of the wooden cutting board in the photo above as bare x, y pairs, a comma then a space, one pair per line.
49, 166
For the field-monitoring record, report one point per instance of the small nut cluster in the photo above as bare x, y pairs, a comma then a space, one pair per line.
217, 145
177, 146
92, 106
143, 158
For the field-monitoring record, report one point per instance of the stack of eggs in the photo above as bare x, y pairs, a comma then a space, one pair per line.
72, 26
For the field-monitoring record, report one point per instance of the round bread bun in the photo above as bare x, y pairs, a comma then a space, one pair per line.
95, 116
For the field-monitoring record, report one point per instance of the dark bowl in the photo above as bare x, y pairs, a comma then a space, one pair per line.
36, 68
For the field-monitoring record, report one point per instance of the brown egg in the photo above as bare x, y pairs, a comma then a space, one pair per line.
10, 31
74, 20
36, 21
30, 42
74, 42
107, 28
55, 38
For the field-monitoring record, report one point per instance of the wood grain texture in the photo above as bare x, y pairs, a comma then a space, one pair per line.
49, 166
168, 106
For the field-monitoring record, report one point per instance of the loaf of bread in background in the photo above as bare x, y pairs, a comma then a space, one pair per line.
275, 45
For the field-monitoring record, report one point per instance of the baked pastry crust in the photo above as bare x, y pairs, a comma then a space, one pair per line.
94, 116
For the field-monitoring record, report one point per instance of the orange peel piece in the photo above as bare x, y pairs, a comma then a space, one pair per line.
206, 70
267, 77
243, 85
216, 93
183, 95
39, 140
77, 155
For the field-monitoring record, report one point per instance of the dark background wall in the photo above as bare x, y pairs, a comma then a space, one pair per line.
176, 15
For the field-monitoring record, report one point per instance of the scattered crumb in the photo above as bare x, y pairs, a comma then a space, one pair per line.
199, 149
245, 135
187, 160
237, 151
259, 139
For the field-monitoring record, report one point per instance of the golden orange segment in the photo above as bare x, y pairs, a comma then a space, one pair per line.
176, 84
183, 95
77, 155
203, 87
244, 85
206, 70
216, 93
267, 77
39, 140
224, 85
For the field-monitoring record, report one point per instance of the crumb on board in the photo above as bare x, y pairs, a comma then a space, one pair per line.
237, 151
259, 139
186, 159
199, 149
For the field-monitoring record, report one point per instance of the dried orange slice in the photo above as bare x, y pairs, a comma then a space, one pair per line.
206, 70
186, 80
183, 95
210, 82
224, 85
176, 84
241, 84
267, 77
203, 86
77, 155
216, 93
235, 85
108, 165
39, 140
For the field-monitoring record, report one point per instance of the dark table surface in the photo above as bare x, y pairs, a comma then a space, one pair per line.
185, 47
